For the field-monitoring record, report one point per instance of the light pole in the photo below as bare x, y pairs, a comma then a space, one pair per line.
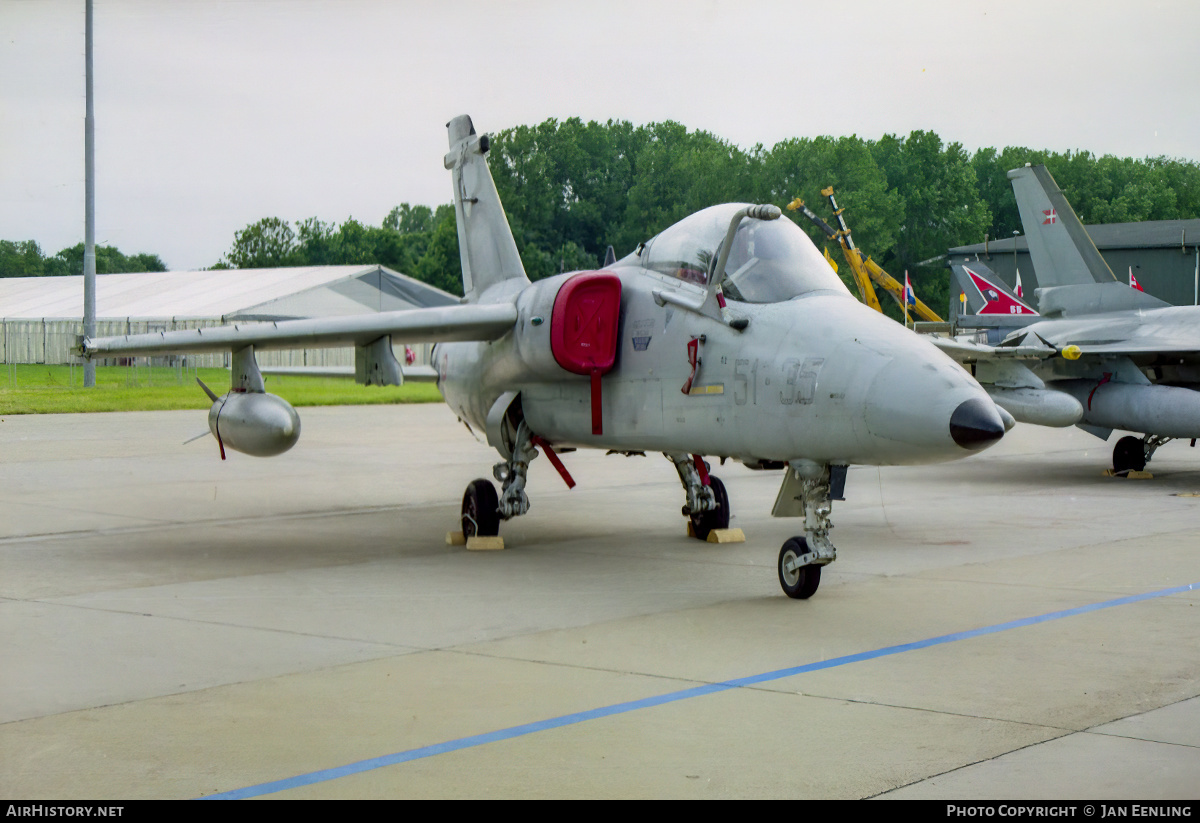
89, 210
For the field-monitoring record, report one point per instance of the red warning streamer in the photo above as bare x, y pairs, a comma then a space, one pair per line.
554, 461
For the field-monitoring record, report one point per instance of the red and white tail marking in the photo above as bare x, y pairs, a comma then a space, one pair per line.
997, 301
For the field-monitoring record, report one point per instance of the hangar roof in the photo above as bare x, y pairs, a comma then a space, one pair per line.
1147, 234
247, 294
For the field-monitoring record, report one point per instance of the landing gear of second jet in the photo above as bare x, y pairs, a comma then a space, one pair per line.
1132, 453
1129, 455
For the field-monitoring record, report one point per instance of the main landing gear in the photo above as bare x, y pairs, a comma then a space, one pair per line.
808, 490
1132, 453
482, 510
480, 517
707, 505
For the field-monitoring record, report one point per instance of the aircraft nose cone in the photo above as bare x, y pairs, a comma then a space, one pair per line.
975, 424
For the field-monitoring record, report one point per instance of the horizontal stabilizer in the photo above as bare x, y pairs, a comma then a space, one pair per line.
1094, 298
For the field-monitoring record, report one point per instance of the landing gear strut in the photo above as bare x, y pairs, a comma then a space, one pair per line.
801, 558
513, 501
482, 510
707, 505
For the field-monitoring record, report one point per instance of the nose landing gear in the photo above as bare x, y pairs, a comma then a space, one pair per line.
808, 491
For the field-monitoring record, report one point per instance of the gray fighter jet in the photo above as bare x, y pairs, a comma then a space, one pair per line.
1102, 355
726, 335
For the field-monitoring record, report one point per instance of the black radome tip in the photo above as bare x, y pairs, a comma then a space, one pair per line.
975, 424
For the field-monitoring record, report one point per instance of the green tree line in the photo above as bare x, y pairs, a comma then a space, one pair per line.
25, 259
571, 189
416, 240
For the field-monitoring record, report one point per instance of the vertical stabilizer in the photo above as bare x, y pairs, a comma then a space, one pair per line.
1062, 252
485, 241
987, 293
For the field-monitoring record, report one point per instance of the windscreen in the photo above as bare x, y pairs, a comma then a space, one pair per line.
770, 260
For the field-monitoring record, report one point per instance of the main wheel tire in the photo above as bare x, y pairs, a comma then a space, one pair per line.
1129, 455
718, 518
801, 583
480, 510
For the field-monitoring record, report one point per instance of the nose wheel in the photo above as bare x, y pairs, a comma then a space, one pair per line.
798, 575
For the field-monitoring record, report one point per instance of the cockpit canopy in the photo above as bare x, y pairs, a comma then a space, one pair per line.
771, 260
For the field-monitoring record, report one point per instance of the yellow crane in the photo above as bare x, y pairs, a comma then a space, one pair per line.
865, 272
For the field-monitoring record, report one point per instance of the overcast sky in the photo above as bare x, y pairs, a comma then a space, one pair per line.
211, 114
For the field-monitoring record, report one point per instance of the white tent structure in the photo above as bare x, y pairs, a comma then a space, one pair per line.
40, 317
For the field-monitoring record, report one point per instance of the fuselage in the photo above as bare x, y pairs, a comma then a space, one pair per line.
818, 377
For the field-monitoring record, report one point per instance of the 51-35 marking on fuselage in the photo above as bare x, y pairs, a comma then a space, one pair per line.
800, 381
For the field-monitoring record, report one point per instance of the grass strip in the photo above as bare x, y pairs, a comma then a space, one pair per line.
42, 389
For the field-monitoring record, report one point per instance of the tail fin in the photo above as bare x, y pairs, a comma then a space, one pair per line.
987, 293
1060, 248
485, 241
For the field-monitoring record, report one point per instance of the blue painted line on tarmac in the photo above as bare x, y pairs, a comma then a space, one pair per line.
671, 697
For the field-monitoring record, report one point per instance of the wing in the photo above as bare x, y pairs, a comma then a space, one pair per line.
371, 335
967, 352
1006, 375
432, 325
1182, 351
1169, 334
412, 374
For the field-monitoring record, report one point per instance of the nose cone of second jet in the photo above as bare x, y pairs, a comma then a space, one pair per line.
976, 424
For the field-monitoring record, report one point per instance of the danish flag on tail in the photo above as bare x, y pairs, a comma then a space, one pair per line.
1133, 283
997, 300
1051, 217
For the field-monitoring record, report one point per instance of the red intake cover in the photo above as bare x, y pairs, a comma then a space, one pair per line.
583, 328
